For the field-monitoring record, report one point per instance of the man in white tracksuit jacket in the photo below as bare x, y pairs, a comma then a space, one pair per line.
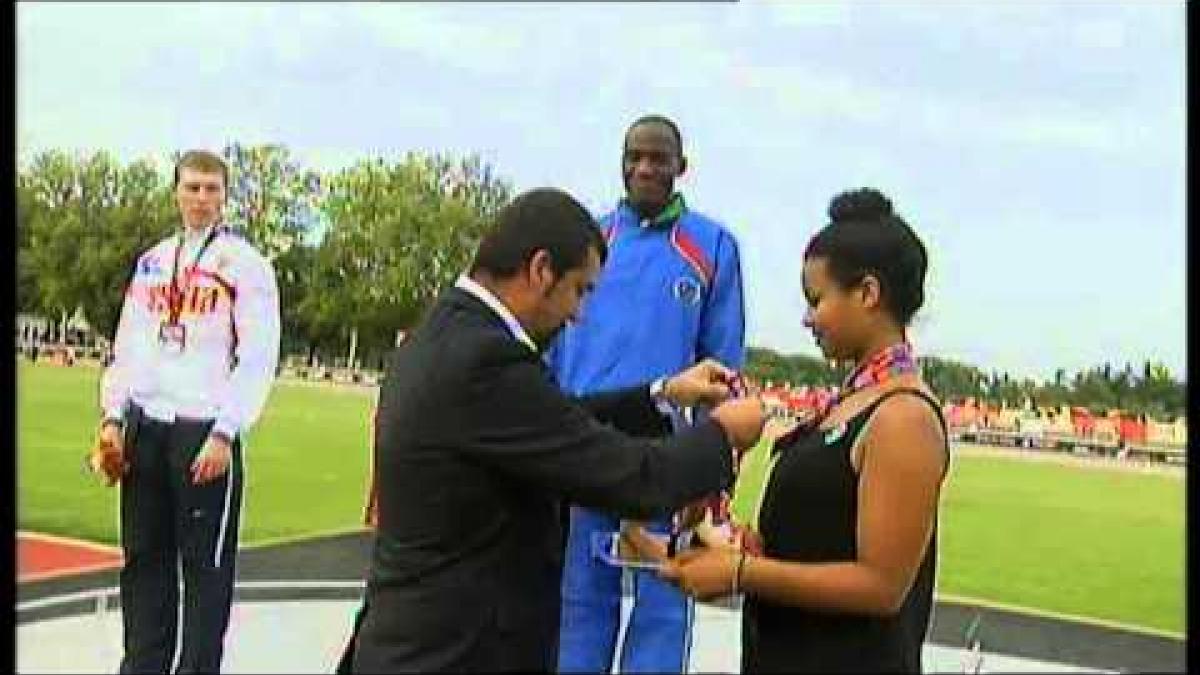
195, 355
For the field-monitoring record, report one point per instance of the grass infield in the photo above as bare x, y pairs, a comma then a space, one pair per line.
1097, 543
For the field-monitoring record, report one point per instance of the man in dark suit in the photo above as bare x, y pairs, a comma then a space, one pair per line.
477, 449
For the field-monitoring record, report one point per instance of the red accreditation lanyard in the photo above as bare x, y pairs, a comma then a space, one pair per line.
172, 335
178, 293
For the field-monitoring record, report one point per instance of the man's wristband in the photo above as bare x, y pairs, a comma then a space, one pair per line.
658, 390
658, 394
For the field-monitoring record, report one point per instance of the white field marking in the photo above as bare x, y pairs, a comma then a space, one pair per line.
293, 538
94, 593
1050, 614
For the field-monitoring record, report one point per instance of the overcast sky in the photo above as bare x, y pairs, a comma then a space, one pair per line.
1036, 147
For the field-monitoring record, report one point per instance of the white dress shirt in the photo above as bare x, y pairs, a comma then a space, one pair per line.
485, 296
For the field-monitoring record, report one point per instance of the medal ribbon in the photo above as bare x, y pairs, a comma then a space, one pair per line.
894, 360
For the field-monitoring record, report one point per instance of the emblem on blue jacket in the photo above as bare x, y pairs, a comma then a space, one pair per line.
687, 291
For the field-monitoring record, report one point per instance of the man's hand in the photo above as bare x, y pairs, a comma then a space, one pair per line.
706, 382
692, 515
213, 460
634, 542
742, 419
108, 455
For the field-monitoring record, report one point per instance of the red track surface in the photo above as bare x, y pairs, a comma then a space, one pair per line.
44, 556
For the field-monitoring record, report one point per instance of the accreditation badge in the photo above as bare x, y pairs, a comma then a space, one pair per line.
172, 337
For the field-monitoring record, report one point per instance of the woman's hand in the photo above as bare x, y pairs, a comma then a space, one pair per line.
704, 573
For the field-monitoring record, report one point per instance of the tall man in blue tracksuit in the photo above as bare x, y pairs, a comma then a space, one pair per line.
670, 294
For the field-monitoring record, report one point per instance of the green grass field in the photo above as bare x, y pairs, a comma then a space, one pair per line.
1103, 544
307, 460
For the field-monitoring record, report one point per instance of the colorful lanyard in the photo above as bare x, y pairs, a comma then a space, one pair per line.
175, 301
886, 364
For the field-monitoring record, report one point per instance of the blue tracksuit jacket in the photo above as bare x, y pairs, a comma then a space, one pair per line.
669, 295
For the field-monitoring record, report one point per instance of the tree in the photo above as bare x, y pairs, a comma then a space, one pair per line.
950, 379
139, 213
82, 221
294, 274
1122, 387
1094, 390
1158, 394
28, 295
765, 364
398, 234
55, 231
1052, 395
271, 198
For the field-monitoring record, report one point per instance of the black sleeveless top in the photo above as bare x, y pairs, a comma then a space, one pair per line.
809, 513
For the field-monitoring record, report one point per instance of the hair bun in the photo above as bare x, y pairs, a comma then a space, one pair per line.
861, 204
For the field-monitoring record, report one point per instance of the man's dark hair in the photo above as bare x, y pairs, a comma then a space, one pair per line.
544, 218
865, 237
658, 119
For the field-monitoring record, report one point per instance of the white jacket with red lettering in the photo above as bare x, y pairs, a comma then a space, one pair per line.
230, 312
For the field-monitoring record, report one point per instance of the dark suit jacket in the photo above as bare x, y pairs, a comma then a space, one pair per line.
476, 449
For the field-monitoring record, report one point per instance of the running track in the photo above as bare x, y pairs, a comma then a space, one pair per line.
41, 557
53, 566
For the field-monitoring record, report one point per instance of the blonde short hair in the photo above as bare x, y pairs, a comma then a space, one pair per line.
202, 160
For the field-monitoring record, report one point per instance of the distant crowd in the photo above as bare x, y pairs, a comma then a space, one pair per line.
1114, 432
1046, 426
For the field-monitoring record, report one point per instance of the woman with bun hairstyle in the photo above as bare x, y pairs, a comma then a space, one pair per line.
837, 564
